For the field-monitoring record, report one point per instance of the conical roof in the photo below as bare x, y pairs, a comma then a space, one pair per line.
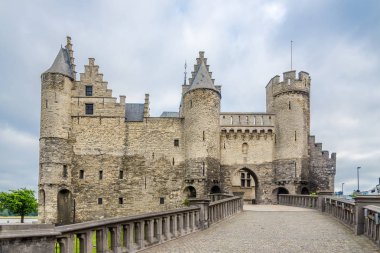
61, 64
201, 76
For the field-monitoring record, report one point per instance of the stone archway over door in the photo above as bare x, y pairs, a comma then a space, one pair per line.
215, 189
280, 190
305, 191
65, 207
246, 184
190, 192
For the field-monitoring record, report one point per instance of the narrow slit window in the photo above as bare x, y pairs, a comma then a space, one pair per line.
121, 201
81, 174
121, 174
173, 161
290, 106
176, 143
100, 201
64, 173
100, 174
204, 137
295, 135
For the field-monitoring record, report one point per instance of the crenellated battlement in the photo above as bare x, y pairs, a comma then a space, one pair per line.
247, 119
316, 149
290, 83
247, 133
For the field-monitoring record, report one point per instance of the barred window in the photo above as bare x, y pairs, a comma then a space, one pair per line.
88, 90
89, 109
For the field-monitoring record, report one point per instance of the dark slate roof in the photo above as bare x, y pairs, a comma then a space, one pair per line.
202, 79
170, 115
134, 112
61, 64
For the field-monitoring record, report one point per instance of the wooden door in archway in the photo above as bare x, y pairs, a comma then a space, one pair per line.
64, 207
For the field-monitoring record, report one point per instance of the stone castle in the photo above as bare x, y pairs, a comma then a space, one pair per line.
100, 157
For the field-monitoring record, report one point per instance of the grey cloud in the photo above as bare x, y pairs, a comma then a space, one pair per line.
141, 47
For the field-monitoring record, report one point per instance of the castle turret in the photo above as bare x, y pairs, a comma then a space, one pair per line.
201, 109
290, 101
55, 147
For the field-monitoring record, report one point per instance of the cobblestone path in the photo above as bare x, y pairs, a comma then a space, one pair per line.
271, 229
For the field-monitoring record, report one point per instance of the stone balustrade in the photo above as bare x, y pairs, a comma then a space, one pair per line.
218, 196
307, 201
372, 223
221, 209
119, 235
128, 234
342, 209
360, 214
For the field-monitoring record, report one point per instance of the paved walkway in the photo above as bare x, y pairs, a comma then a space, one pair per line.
269, 229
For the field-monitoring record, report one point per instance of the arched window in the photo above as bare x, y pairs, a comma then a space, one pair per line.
244, 148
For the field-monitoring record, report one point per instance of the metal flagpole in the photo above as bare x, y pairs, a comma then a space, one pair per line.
291, 55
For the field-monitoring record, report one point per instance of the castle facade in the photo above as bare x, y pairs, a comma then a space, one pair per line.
103, 157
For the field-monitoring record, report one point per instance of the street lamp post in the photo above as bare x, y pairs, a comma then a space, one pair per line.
342, 188
357, 170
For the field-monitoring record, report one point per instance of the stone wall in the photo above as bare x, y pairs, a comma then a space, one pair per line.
243, 148
322, 168
145, 154
201, 111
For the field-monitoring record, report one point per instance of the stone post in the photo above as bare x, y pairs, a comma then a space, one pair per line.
101, 240
360, 202
203, 213
88, 236
150, 231
159, 230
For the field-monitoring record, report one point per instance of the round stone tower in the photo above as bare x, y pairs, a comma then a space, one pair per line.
201, 111
55, 198
290, 101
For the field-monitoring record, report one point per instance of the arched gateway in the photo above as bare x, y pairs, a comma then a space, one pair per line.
245, 183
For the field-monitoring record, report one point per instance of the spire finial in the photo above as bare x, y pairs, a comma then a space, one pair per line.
184, 80
69, 47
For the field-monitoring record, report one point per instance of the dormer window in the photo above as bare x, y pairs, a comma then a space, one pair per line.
88, 90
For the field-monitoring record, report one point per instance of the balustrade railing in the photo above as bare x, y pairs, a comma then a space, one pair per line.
221, 209
372, 223
119, 235
128, 234
342, 209
307, 201
218, 196
361, 214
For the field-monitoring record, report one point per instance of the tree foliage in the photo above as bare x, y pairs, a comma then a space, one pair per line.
21, 202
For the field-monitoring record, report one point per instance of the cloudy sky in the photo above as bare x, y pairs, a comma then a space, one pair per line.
141, 47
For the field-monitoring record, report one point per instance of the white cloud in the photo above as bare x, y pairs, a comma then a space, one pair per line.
141, 47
